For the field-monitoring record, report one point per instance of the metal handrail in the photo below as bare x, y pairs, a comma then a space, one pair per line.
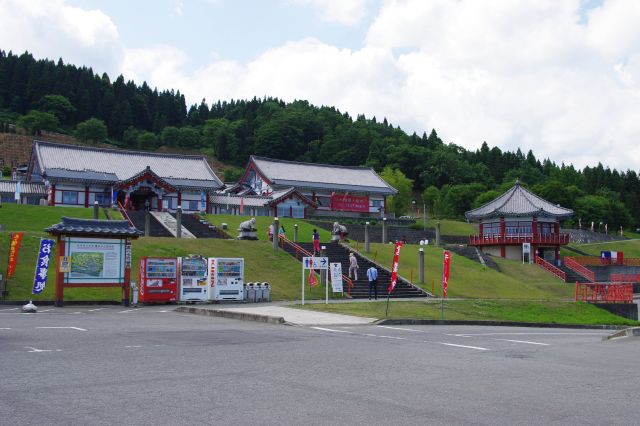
307, 253
124, 213
576, 267
549, 267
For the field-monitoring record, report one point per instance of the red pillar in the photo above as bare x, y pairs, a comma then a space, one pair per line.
159, 204
52, 201
534, 227
180, 198
556, 228
481, 230
86, 196
59, 275
206, 203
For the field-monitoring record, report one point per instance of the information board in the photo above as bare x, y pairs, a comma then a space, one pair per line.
95, 261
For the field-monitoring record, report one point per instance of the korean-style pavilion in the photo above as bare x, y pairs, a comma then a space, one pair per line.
517, 217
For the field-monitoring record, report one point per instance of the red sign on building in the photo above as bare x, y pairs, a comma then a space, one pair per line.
350, 203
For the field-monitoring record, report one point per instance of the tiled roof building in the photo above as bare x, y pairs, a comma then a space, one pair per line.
519, 217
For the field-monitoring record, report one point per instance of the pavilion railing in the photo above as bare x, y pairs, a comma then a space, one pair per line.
549, 267
604, 293
579, 269
477, 240
300, 252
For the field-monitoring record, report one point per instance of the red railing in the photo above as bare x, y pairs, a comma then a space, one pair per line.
624, 278
576, 267
549, 267
604, 293
123, 211
513, 239
301, 252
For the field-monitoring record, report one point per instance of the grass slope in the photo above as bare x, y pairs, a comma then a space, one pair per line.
26, 217
630, 248
483, 310
305, 230
470, 279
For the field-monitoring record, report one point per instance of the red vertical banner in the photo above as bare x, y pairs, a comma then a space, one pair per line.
394, 269
14, 247
446, 261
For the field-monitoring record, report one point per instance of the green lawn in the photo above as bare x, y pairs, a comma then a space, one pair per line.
452, 227
470, 279
556, 312
25, 217
630, 248
305, 230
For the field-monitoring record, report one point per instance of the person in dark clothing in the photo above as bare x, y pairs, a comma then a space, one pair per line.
372, 276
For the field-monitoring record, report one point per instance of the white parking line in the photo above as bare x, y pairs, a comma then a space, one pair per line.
130, 310
464, 346
9, 309
46, 310
41, 350
4, 328
72, 328
75, 313
331, 329
524, 341
402, 329
133, 346
526, 334
96, 309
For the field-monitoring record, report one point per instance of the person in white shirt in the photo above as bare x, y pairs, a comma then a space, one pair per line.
353, 266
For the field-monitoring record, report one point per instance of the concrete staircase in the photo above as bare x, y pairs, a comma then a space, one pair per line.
156, 228
170, 222
360, 290
201, 229
572, 277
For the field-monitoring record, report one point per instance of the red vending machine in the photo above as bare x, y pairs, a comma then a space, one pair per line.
158, 279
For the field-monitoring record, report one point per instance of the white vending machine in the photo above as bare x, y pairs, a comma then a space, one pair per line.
193, 279
226, 278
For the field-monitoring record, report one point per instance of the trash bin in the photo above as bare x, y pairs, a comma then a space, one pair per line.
245, 293
258, 287
266, 292
251, 293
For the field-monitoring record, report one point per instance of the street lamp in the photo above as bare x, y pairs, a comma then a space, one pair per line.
413, 207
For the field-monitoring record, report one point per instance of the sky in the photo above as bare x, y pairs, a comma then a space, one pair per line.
558, 77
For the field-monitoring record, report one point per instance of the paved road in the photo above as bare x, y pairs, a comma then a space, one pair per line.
110, 365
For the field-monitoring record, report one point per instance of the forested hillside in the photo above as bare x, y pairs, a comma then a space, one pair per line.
38, 95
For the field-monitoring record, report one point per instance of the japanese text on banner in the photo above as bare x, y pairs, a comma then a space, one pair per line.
446, 261
42, 266
14, 248
394, 269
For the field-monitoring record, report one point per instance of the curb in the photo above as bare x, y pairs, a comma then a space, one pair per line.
627, 332
231, 314
409, 321
66, 302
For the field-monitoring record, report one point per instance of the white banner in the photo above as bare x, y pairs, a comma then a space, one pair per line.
336, 277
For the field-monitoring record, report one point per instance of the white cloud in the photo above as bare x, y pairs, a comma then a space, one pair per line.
51, 28
346, 12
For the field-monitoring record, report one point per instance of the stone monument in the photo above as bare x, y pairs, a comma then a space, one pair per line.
248, 230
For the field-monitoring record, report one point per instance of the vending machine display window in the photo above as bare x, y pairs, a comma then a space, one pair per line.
193, 278
158, 278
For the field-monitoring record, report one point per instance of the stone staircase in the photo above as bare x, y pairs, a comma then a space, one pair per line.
156, 228
171, 224
572, 277
360, 290
200, 228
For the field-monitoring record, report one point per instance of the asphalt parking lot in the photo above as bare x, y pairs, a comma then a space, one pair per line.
151, 365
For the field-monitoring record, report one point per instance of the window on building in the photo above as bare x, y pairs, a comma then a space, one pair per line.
517, 228
192, 205
103, 199
69, 197
546, 228
297, 212
491, 229
284, 211
34, 200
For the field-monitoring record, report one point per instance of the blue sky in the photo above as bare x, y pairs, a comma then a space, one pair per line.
560, 77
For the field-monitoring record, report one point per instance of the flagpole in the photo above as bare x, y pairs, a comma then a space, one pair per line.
387, 310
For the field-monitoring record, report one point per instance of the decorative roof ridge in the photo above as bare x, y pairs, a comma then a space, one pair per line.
119, 151
303, 163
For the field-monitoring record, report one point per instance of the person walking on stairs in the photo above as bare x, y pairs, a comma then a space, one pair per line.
372, 276
353, 266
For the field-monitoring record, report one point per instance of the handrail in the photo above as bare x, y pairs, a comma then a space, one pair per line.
571, 263
124, 213
300, 250
549, 267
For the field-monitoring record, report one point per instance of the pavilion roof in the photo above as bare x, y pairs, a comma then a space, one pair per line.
518, 202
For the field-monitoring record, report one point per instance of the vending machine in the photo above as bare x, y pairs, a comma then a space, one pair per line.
158, 279
193, 279
226, 278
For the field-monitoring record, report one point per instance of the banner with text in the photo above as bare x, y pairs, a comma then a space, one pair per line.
42, 266
394, 268
14, 248
349, 203
446, 261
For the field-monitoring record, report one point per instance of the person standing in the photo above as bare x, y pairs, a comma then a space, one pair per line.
372, 276
281, 232
316, 242
353, 266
